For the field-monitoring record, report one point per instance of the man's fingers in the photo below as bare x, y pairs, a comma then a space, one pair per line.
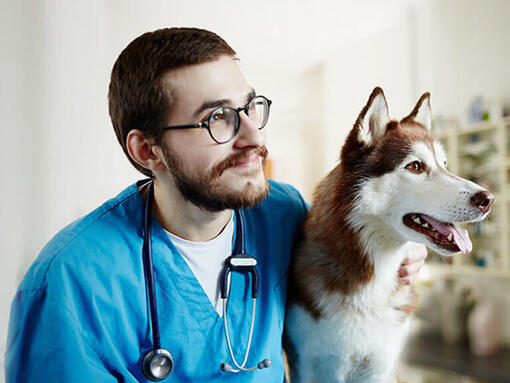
416, 253
412, 263
411, 268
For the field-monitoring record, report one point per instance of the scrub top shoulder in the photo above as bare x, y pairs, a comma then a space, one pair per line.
81, 312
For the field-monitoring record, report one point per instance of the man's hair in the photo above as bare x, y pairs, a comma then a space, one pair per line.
137, 99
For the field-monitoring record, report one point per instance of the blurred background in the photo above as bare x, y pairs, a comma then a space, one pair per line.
318, 61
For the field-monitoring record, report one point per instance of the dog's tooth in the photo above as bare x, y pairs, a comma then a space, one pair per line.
450, 237
416, 220
425, 225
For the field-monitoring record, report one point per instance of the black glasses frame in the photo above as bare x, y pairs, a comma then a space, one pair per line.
205, 123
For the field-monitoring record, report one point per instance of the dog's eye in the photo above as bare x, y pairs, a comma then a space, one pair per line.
416, 167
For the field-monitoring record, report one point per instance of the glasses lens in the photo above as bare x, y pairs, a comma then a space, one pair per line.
222, 124
258, 111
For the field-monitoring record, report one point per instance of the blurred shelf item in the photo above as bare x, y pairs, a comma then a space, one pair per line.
481, 153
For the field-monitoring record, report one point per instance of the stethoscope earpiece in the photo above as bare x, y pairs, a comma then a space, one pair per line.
157, 364
225, 367
264, 364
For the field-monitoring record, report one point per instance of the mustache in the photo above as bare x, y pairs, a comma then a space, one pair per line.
238, 158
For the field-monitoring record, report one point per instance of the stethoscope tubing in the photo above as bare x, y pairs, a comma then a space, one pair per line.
247, 351
149, 269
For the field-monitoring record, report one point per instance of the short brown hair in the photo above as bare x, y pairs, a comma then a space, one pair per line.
136, 97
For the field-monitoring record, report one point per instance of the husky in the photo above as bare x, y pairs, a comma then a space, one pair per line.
348, 315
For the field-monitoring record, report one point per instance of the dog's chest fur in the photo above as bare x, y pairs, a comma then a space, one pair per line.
349, 346
350, 332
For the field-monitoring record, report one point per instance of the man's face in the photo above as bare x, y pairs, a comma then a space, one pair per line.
211, 175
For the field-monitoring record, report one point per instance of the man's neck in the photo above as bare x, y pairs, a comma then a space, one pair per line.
185, 219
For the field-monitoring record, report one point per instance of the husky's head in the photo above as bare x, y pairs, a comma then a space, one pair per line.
403, 187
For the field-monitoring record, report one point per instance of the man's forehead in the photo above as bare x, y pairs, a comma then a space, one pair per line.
220, 79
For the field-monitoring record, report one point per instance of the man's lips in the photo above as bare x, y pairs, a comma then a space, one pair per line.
253, 160
241, 160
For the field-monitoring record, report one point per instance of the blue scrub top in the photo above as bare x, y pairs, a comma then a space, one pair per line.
81, 312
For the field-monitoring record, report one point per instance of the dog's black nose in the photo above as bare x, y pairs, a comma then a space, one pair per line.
483, 201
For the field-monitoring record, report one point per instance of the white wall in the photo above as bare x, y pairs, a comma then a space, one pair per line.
464, 52
59, 157
335, 91
20, 88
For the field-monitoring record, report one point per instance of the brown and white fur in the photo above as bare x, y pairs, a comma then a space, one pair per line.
348, 315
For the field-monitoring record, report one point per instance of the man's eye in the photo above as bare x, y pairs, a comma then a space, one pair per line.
218, 115
416, 167
254, 104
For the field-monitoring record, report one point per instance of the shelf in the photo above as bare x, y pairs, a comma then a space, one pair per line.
464, 270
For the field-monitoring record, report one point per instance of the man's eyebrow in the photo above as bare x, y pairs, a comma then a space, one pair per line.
217, 103
209, 105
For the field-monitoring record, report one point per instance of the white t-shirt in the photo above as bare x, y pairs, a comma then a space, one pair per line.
206, 260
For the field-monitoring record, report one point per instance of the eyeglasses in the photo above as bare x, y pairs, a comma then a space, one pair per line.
223, 123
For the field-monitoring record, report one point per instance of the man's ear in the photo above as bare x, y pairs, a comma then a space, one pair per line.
422, 113
373, 119
144, 151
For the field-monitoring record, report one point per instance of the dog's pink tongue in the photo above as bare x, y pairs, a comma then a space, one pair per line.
460, 236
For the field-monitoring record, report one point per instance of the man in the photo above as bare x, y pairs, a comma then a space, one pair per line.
185, 117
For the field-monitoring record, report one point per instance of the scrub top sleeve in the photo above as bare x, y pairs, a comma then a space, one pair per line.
46, 344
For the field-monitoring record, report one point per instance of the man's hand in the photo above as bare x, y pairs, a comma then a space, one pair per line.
412, 264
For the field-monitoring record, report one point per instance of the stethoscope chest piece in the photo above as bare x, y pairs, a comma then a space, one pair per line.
157, 364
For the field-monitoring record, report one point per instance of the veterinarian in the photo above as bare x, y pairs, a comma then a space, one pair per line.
137, 290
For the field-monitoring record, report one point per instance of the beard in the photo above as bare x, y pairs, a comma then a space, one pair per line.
205, 189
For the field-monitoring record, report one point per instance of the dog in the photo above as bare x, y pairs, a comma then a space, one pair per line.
348, 315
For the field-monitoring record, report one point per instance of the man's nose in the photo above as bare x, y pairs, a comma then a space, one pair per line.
249, 133
482, 200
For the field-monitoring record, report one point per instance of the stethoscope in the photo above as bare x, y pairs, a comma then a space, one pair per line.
157, 364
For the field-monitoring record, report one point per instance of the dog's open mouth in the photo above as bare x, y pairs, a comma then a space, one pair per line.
443, 234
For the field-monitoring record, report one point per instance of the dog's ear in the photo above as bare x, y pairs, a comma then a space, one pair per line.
421, 112
373, 119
